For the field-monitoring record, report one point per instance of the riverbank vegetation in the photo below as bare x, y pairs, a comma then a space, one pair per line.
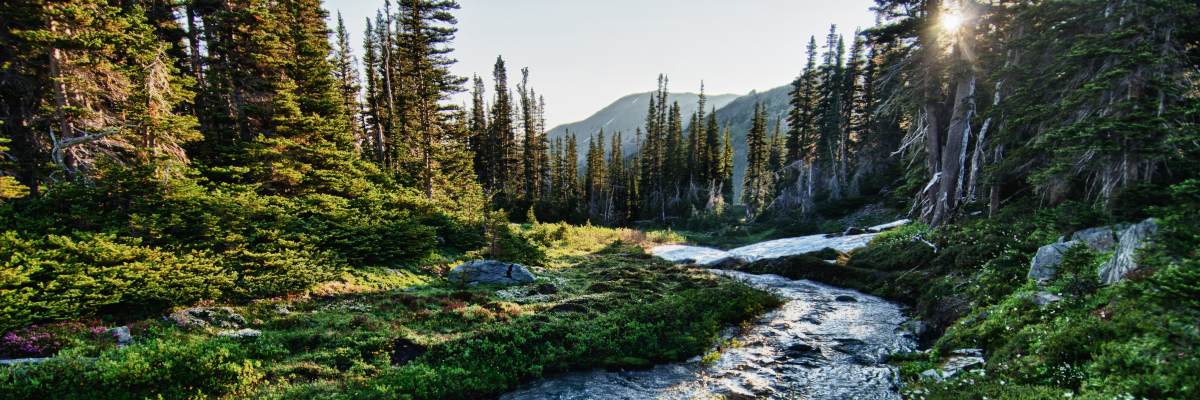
599, 302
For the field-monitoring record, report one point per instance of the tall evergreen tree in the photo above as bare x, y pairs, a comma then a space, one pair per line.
803, 102
345, 71
757, 185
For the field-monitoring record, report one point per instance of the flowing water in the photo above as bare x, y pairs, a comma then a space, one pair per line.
822, 343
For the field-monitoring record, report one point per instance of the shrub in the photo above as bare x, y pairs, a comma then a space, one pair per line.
669, 329
162, 368
63, 277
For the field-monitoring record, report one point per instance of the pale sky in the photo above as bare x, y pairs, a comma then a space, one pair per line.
583, 55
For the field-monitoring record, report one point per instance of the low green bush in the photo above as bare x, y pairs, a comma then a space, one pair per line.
62, 277
672, 328
159, 368
135, 242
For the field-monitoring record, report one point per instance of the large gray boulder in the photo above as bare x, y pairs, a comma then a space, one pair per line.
1101, 239
1045, 263
1124, 260
490, 272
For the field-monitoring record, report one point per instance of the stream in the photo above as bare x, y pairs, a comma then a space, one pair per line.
822, 343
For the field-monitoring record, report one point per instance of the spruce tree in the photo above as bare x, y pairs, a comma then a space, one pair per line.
803, 102
424, 46
571, 174
345, 71
756, 187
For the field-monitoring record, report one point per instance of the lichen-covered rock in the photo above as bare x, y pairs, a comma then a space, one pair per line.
1101, 239
962, 360
490, 272
1045, 298
1044, 265
202, 317
244, 333
121, 334
1124, 260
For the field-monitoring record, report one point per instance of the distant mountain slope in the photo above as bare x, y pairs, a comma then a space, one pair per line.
738, 114
629, 113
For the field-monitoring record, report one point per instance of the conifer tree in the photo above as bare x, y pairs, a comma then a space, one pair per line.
424, 44
571, 174
506, 161
757, 185
373, 115
803, 102
778, 148
726, 165
345, 71
618, 192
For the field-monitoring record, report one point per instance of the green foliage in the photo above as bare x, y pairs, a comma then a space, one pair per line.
135, 243
668, 329
163, 368
62, 277
613, 307
1133, 339
896, 250
9, 187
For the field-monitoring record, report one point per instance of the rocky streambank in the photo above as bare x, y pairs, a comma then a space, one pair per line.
822, 343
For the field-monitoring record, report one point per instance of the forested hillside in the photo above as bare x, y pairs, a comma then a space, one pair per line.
629, 113
169, 161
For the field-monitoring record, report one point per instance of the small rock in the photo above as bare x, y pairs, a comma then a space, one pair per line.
916, 327
962, 360
932, 374
244, 333
854, 231
957, 364
490, 272
799, 349
968, 352
1044, 298
199, 317
121, 333
846, 299
282, 310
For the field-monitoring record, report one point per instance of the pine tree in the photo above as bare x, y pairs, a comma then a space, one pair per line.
428, 29
778, 148
726, 166
531, 141
801, 121
757, 184
618, 192
374, 115
506, 157
86, 81
482, 143
345, 71
571, 174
